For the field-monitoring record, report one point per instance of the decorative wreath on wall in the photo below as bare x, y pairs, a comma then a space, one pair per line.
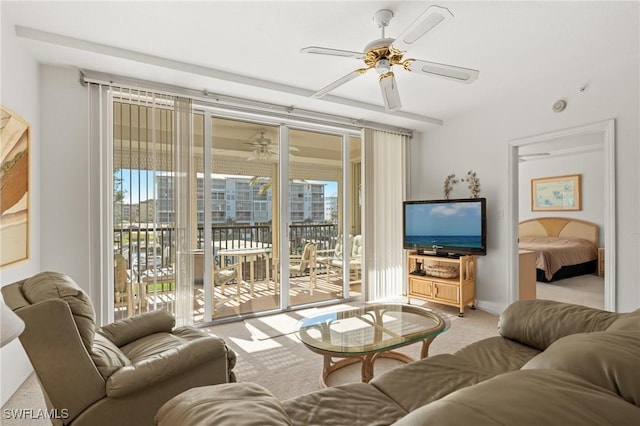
471, 178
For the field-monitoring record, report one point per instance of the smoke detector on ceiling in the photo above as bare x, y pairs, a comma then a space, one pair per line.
560, 105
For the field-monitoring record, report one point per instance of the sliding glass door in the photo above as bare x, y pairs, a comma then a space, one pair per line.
319, 262
243, 167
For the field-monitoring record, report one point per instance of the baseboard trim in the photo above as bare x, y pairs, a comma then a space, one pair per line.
491, 307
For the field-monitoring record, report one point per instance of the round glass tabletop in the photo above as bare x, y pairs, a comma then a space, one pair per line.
370, 328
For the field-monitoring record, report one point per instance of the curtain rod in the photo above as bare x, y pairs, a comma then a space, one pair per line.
239, 104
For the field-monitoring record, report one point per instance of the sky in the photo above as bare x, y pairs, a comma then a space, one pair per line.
443, 219
138, 185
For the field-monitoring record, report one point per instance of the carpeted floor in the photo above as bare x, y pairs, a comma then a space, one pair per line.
587, 290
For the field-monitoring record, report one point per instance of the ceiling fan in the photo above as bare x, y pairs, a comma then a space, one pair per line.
263, 149
382, 54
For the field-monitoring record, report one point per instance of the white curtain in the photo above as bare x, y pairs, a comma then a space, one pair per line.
384, 192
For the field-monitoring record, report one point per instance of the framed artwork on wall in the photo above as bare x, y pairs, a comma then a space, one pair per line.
14, 188
558, 193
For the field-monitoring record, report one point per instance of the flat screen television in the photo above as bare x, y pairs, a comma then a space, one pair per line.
446, 227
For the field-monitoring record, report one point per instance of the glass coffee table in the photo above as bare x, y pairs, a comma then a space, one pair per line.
365, 333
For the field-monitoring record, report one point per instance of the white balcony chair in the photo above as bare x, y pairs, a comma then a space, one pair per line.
300, 265
333, 261
223, 276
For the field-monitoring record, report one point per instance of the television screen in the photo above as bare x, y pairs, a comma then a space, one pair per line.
446, 227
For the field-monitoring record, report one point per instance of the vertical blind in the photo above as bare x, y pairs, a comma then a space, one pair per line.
185, 188
150, 134
384, 192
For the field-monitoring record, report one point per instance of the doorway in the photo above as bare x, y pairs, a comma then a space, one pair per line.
603, 133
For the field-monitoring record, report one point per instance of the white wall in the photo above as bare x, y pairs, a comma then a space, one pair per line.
19, 92
65, 240
591, 168
71, 227
61, 238
479, 141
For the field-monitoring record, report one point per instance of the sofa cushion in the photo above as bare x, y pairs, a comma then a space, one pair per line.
538, 323
497, 354
442, 374
53, 285
353, 404
628, 321
107, 357
610, 359
246, 404
527, 398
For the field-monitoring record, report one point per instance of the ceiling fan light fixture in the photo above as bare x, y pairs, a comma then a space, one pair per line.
390, 93
262, 147
261, 153
383, 66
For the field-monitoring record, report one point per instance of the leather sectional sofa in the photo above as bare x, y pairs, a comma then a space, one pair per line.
553, 364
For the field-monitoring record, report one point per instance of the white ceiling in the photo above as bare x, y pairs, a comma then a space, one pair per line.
520, 48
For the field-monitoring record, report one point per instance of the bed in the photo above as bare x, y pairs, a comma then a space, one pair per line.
564, 247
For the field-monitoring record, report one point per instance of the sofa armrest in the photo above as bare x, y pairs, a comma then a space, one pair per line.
229, 404
125, 331
170, 363
538, 323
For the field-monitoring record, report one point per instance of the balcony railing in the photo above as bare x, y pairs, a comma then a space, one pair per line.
149, 248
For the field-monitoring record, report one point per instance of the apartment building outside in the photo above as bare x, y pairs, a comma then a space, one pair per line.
237, 200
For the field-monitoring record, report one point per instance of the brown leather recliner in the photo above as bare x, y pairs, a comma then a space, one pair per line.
119, 374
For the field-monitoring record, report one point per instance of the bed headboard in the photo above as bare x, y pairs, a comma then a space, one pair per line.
559, 227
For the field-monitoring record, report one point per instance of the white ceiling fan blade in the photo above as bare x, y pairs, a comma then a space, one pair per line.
450, 72
430, 18
390, 93
332, 52
339, 82
274, 149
